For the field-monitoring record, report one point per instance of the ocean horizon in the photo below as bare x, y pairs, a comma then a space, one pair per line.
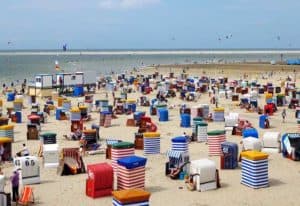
149, 51
20, 64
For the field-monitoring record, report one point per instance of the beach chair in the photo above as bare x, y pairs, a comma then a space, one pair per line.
27, 197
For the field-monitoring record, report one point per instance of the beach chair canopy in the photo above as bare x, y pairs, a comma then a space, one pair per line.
176, 157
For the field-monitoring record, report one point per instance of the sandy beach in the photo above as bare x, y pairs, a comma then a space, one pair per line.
284, 174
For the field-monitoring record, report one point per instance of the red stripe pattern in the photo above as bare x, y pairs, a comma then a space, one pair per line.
73, 153
131, 178
214, 144
107, 121
118, 154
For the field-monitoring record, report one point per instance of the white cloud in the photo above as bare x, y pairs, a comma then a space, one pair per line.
107, 4
126, 4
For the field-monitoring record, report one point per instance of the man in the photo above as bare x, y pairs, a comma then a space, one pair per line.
217, 101
283, 114
15, 185
25, 151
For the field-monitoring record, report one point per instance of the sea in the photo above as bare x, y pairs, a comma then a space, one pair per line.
16, 65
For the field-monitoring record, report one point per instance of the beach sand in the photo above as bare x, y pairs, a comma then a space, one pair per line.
284, 174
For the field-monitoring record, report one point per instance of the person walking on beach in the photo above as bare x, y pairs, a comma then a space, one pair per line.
15, 185
217, 101
283, 114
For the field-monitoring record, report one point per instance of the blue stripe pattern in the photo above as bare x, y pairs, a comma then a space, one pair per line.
255, 173
151, 146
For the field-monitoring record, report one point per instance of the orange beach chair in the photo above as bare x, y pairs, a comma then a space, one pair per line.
26, 197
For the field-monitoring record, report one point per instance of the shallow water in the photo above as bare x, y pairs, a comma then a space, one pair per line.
16, 65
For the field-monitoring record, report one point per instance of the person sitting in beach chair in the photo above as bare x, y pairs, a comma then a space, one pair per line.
174, 174
74, 135
86, 145
188, 137
23, 152
210, 117
259, 110
267, 123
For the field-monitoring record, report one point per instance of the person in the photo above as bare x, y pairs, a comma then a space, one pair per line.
213, 100
210, 117
25, 150
15, 185
1, 152
77, 134
74, 135
247, 124
187, 137
267, 123
175, 172
2, 185
190, 183
81, 150
283, 114
23, 90
82, 147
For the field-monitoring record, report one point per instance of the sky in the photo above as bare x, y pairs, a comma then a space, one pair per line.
149, 24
